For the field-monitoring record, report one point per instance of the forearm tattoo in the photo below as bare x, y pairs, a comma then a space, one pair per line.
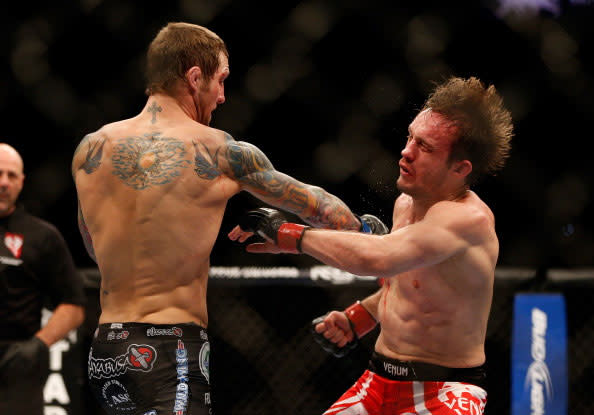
147, 161
247, 164
332, 212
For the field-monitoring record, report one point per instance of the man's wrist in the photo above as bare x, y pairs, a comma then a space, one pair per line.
360, 319
289, 236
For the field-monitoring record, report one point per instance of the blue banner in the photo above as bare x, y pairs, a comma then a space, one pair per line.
539, 355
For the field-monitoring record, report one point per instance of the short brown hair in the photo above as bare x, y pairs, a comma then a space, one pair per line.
176, 48
485, 124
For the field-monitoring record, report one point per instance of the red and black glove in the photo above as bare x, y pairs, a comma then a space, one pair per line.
361, 322
271, 225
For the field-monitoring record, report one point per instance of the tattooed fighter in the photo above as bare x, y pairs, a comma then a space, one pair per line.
152, 191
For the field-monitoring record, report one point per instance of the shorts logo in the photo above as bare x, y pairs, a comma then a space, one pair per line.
138, 357
463, 398
395, 370
204, 359
182, 390
173, 331
122, 335
116, 396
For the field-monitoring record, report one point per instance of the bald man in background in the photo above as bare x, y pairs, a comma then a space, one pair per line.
36, 270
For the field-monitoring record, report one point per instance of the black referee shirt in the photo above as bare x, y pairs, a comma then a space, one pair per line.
36, 270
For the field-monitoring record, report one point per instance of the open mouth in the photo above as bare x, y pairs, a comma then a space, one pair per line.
404, 169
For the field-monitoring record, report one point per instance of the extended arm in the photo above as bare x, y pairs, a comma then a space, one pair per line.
254, 172
447, 229
440, 235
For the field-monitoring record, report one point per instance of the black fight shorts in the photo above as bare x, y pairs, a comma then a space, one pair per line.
150, 369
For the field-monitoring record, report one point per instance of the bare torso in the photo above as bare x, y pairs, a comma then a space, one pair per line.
438, 314
152, 218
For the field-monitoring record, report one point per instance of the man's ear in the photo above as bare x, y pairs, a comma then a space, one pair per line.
193, 78
463, 167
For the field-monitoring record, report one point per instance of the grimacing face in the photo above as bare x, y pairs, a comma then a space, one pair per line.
424, 167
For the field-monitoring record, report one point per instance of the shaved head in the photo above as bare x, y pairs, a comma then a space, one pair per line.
7, 152
11, 178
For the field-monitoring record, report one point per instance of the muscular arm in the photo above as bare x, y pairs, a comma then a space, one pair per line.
87, 157
446, 230
250, 167
86, 236
66, 317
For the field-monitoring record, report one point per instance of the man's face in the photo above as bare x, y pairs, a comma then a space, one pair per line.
212, 92
11, 180
424, 168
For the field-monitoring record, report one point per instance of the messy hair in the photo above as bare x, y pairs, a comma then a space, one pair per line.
485, 125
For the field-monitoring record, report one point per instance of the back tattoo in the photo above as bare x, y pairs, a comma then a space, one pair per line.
150, 160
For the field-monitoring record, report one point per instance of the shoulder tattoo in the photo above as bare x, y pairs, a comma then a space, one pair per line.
249, 165
94, 153
149, 160
206, 164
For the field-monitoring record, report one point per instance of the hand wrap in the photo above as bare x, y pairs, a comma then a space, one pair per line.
361, 322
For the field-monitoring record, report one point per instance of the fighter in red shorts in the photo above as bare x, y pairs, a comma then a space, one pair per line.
438, 264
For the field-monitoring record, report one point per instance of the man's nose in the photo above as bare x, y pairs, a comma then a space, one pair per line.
408, 151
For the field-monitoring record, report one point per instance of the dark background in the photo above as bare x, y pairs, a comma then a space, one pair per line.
326, 89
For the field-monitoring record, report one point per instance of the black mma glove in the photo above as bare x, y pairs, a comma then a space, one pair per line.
271, 225
24, 358
361, 322
329, 346
372, 224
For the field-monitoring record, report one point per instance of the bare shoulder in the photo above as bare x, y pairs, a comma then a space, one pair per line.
469, 216
99, 137
88, 153
402, 203
234, 158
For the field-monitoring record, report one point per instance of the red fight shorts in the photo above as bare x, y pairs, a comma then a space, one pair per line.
402, 388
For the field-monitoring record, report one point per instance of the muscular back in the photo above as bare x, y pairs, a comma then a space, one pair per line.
153, 209
152, 192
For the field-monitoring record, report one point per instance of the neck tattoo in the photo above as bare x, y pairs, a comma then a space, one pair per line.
154, 108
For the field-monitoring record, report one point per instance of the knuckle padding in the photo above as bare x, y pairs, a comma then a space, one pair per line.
327, 345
